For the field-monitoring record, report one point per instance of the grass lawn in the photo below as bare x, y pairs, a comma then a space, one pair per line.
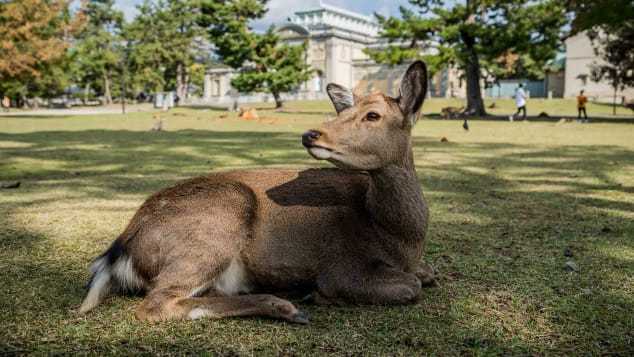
507, 201
503, 107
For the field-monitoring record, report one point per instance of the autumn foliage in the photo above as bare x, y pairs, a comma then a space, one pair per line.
32, 33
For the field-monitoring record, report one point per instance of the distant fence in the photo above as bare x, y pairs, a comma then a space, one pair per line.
506, 89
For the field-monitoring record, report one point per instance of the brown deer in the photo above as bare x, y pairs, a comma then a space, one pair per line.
214, 246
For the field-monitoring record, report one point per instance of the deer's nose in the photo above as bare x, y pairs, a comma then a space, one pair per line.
309, 137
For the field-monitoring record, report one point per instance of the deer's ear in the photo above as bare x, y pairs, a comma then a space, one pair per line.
413, 90
340, 96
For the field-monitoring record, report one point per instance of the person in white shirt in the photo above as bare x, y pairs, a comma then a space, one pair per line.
520, 102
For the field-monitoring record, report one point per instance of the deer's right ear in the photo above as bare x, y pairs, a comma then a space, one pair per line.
413, 90
341, 97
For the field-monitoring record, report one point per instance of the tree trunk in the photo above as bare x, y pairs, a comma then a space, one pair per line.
614, 102
180, 82
86, 93
475, 104
278, 100
106, 87
186, 85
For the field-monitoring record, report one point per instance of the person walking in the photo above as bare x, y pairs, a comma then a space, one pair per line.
520, 102
581, 106
6, 103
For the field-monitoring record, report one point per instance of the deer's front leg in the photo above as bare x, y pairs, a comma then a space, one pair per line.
384, 286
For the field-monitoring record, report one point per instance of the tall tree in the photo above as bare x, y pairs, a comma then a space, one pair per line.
273, 67
609, 15
166, 43
264, 63
35, 36
616, 50
99, 47
608, 24
483, 38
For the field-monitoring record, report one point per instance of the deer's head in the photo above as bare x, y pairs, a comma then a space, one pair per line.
373, 131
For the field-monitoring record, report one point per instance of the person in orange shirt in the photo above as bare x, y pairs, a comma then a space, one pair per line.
581, 106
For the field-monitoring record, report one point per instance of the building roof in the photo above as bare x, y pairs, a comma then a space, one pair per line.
332, 20
340, 11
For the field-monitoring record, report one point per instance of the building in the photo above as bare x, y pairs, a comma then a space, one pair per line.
580, 57
336, 41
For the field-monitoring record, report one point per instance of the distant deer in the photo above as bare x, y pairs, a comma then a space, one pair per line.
214, 246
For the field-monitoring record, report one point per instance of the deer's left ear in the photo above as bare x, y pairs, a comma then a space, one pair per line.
341, 97
413, 90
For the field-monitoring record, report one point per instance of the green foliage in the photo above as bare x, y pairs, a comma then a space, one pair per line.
34, 58
165, 43
606, 14
99, 48
615, 49
265, 64
610, 26
227, 23
273, 67
485, 39
511, 38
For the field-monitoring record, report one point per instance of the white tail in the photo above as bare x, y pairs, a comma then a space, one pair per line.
100, 285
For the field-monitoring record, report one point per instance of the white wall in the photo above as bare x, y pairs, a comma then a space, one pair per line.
580, 57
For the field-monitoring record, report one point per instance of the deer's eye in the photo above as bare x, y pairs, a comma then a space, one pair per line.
372, 116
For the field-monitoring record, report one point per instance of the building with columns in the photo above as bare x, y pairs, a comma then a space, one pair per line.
336, 41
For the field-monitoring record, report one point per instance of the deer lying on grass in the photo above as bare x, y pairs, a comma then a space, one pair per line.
214, 246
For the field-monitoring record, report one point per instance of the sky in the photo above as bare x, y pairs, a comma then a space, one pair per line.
280, 10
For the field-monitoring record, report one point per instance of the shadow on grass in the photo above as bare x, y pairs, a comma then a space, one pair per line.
532, 118
502, 217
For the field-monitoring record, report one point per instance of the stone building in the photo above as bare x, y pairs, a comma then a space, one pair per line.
336, 41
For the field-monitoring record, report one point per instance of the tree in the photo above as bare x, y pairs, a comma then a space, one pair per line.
616, 51
273, 67
608, 24
609, 15
485, 39
33, 46
265, 64
166, 43
99, 48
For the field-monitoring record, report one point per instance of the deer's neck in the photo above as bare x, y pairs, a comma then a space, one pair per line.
396, 202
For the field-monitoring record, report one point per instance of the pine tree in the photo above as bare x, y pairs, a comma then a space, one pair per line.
166, 43
264, 63
610, 15
99, 49
485, 39
273, 67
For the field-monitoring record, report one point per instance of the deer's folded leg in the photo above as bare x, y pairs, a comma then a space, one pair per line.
382, 287
170, 305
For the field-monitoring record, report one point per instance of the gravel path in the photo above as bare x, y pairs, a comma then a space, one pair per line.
112, 109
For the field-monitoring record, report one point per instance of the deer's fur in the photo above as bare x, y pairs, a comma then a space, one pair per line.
214, 246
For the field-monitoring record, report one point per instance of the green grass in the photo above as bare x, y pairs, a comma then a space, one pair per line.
503, 107
506, 200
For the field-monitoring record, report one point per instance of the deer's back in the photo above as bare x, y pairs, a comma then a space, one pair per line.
285, 223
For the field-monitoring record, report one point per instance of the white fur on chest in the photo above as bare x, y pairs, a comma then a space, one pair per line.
233, 280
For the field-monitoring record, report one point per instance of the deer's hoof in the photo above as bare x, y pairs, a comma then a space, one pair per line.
300, 317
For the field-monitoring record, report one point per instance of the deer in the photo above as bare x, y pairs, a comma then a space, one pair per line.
229, 243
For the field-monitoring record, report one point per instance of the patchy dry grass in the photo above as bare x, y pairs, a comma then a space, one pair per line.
507, 199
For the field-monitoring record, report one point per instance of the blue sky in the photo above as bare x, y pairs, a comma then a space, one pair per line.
279, 10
